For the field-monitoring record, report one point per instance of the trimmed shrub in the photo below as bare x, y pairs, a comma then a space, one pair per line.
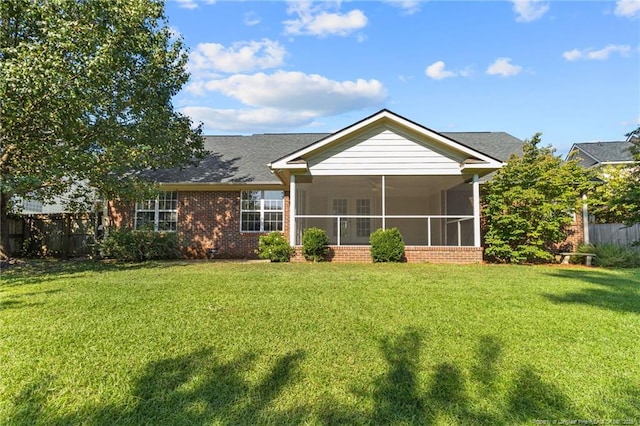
612, 255
387, 245
274, 247
138, 246
315, 244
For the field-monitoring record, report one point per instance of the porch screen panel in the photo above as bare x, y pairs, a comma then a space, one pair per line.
428, 210
363, 225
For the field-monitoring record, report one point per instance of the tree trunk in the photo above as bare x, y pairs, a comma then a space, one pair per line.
4, 227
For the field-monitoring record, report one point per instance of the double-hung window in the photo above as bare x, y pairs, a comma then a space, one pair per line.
261, 211
158, 214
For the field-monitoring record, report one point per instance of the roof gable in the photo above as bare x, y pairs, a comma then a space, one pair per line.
594, 153
447, 147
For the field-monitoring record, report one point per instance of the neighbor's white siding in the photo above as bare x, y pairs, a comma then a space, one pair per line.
385, 152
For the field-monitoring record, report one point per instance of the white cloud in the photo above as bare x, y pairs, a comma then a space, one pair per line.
297, 91
239, 57
408, 6
248, 120
600, 55
193, 4
628, 8
251, 19
529, 10
314, 19
572, 55
283, 100
504, 68
437, 72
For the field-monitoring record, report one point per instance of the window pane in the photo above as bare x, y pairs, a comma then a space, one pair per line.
273, 204
167, 221
257, 204
272, 222
145, 220
250, 221
251, 205
146, 205
273, 195
251, 195
166, 204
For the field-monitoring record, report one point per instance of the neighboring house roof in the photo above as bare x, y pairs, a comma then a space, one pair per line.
245, 159
592, 154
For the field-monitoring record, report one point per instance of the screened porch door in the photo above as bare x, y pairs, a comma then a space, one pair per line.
346, 228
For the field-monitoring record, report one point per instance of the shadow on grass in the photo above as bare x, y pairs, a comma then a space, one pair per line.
615, 293
400, 399
14, 301
196, 388
202, 388
40, 271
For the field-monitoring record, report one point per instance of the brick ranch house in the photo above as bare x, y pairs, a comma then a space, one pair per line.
383, 171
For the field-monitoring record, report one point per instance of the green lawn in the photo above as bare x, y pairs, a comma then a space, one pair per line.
232, 343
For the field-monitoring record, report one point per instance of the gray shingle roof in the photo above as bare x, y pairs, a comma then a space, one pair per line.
592, 153
499, 145
244, 159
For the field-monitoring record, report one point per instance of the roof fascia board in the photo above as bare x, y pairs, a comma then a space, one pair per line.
616, 162
196, 186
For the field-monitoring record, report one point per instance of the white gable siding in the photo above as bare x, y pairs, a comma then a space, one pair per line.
384, 152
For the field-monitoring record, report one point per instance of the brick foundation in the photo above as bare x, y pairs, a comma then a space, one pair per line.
413, 254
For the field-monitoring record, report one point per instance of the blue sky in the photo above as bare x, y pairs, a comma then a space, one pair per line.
567, 69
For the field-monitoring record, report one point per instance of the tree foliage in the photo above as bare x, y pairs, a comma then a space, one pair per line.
630, 196
85, 97
608, 201
530, 202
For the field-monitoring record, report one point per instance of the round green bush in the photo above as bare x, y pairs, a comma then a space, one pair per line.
387, 245
315, 244
274, 247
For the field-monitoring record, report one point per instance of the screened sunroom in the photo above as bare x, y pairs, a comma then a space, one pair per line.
383, 172
428, 210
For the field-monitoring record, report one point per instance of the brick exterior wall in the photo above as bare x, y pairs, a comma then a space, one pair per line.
211, 219
575, 235
120, 215
206, 219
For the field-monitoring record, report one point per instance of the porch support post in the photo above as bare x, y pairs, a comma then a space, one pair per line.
292, 211
476, 210
384, 203
585, 219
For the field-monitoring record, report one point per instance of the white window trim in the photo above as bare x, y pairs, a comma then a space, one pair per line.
156, 213
262, 211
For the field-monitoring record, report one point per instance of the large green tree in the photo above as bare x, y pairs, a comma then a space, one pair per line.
529, 204
86, 91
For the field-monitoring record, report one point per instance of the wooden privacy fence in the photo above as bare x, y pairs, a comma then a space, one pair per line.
63, 234
613, 233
